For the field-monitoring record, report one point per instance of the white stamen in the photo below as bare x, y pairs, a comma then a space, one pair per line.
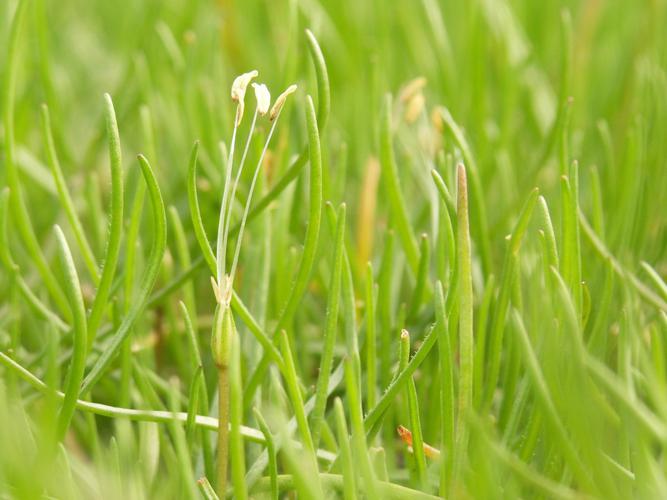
280, 101
275, 114
263, 98
239, 87
228, 216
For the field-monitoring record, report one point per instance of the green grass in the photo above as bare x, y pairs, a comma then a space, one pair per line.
456, 226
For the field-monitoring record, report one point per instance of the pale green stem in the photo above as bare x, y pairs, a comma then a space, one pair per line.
220, 249
235, 261
228, 216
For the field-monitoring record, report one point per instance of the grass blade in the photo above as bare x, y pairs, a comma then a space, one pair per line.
195, 212
349, 486
446, 359
545, 400
66, 198
310, 242
115, 223
371, 341
391, 185
415, 424
465, 292
360, 451
375, 414
479, 220
271, 450
322, 75
330, 330
295, 393
38, 307
16, 201
206, 489
422, 285
314, 219
324, 108
504, 297
79, 332
159, 225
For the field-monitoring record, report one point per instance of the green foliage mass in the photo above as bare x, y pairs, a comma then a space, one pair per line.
458, 227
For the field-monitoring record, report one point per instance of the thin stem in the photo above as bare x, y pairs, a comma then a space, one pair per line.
223, 330
371, 348
247, 204
223, 424
236, 449
156, 416
220, 249
228, 217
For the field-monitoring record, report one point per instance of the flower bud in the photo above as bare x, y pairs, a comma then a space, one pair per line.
224, 329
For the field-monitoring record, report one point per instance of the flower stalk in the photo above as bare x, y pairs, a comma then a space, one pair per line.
224, 329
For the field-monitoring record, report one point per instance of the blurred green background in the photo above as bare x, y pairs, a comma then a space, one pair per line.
533, 84
497, 66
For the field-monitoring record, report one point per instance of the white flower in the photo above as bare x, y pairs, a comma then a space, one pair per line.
263, 98
280, 101
239, 87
